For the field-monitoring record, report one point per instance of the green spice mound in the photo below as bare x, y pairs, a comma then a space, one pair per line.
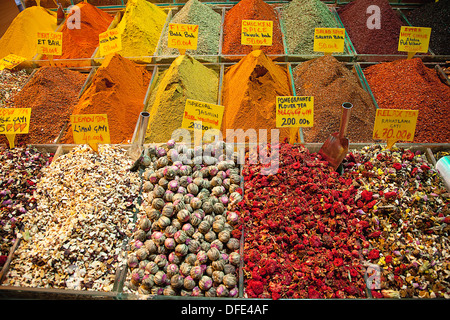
209, 21
186, 78
299, 19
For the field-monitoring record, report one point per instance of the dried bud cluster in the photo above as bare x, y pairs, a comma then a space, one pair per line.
186, 231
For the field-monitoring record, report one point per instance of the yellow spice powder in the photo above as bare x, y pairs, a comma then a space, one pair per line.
140, 27
21, 36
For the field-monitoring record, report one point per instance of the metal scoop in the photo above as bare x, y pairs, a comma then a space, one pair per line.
135, 150
335, 147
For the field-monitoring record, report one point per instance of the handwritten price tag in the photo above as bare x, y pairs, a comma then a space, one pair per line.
11, 61
202, 116
50, 43
14, 121
295, 111
395, 125
109, 42
414, 39
329, 39
183, 36
257, 33
90, 129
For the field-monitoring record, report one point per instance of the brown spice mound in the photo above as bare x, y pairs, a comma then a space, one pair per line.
332, 83
51, 94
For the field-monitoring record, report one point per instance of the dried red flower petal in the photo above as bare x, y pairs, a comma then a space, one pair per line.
374, 254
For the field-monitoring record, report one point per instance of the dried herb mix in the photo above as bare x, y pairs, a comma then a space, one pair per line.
21, 170
209, 22
409, 84
299, 19
332, 83
371, 41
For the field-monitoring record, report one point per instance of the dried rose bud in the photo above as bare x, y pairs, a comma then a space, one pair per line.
232, 218
213, 254
188, 283
217, 276
233, 244
181, 250
202, 257
194, 246
196, 272
211, 292
176, 281
205, 283
160, 278
142, 253
229, 280
224, 236
147, 281
151, 267
204, 227
222, 291
151, 246
132, 261
145, 224
169, 243
235, 258
180, 236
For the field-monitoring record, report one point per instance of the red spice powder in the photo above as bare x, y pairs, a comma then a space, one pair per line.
250, 10
409, 84
81, 43
51, 94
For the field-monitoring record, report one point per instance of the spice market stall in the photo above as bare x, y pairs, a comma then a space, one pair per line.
153, 215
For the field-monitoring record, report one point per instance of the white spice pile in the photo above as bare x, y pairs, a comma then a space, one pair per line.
74, 238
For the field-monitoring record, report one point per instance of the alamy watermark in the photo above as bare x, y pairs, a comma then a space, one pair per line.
374, 20
74, 18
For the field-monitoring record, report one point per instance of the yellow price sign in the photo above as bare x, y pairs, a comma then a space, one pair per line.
11, 61
395, 125
183, 36
110, 42
414, 39
203, 116
256, 33
329, 39
295, 111
14, 121
50, 43
90, 129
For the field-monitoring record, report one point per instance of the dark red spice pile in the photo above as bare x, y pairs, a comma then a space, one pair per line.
354, 17
303, 230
